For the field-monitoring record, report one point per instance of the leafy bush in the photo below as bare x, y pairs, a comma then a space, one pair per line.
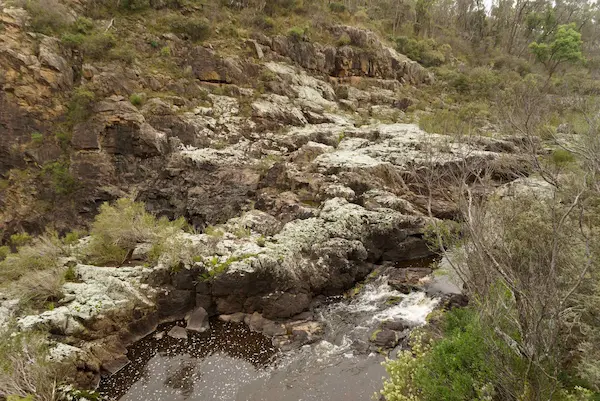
42, 253
70, 274
63, 138
4, 252
124, 53
136, 99
119, 227
37, 288
561, 157
264, 22
453, 368
61, 179
97, 46
215, 266
344, 40
19, 239
337, 7
165, 51
37, 137
194, 28
427, 52
81, 104
483, 82
296, 33
47, 16
25, 368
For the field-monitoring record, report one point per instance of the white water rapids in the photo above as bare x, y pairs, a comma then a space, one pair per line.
233, 365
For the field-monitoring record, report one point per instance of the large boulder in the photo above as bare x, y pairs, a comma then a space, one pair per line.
118, 128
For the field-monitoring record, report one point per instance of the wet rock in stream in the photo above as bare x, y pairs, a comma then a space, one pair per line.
324, 354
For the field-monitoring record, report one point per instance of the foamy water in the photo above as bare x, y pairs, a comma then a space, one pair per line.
232, 364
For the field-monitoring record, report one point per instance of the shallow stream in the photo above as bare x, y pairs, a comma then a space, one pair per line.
231, 363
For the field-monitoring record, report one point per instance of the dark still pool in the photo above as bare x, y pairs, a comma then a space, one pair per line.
204, 366
229, 362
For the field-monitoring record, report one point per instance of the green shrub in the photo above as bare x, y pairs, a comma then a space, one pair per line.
125, 54
73, 40
297, 33
81, 104
41, 253
196, 29
264, 22
483, 81
337, 7
20, 239
428, 52
70, 274
4, 252
83, 25
165, 51
37, 137
215, 267
47, 16
453, 368
98, 45
119, 227
136, 99
25, 368
561, 157
71, 238
61, 179
344, 40
63, 138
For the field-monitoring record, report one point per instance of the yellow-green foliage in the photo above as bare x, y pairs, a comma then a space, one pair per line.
60, 178
428, 52
196, 29
80, 104
453, 368
42, 253
25, 369
463, 121
136, 99
47, 16
213, 231
216, 266
561, 157
4, 252
20, 239
119, 227
37, 288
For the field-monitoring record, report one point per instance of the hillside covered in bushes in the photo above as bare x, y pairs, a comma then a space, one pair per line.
220, 152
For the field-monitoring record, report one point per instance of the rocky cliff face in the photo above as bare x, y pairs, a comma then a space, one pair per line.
113, 148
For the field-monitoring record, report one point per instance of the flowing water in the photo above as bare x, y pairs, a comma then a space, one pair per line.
231, 363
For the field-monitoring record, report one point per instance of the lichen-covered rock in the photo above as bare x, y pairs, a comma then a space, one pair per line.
100, 291
367, 56
278, 110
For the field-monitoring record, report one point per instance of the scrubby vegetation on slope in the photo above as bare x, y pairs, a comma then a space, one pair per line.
525, 68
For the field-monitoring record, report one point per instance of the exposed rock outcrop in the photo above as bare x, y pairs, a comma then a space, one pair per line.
365, 56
